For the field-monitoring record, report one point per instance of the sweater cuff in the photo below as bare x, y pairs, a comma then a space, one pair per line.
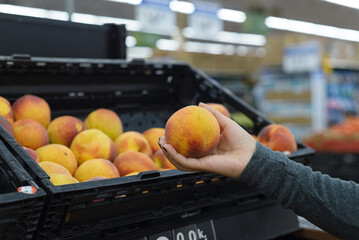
265, 171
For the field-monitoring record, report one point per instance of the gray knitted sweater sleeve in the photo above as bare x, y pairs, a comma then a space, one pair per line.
330, 203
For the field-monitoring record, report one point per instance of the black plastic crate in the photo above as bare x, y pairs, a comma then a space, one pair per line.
340, 165
19, 212
145, 95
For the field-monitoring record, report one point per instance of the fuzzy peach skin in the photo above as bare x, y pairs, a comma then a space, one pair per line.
7, 125
193, 131
278, 138
60, 154
152, 135
54, 168
62, 179
220, 108
30, 133
96, 168
93, 143
32, 154
62, 130
105, 120
129, 162
161, 162
6, 110
133, 141
32, 107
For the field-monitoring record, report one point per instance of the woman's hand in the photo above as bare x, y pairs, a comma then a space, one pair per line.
229, 158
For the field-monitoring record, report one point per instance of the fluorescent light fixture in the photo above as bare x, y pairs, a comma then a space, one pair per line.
34, 12
139, 52
242, 50
132, 2
182, 7
345, 3
231, 15
229, 37
312, 28
131, 41
167, 44
131, 25
210, 48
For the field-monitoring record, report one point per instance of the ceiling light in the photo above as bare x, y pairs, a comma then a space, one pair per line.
346, 3
312, 28
131, 41
182, 7
132, 2
34, 12
209, 48
167, 44
231, 15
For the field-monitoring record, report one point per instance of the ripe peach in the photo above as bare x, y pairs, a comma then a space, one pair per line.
93, 143
96, 178
62, 179
193, 131
32, 154
32, 107
59, 154
30, 133
96, 168
152, 135
105, 120
133, 141
6, 110
129, 162
54, 168
278, 138
132, 174
7, 125
62, 130
161, 162
255, 137
220, 108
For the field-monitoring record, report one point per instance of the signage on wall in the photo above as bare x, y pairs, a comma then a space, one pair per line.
204, 20
155, 16
305, 57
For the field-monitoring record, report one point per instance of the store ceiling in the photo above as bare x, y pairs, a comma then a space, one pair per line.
316, 11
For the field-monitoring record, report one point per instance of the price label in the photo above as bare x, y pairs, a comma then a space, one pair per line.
200, 231
156, 17
161, 236
302, 58
204, 20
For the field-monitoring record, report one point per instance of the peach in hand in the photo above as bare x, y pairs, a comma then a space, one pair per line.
96, 168
278, 138
193, 131
32, 107
105, 120
133, 141
93, 143
6, 110
152, 135
62, 130
30, 133
129, 162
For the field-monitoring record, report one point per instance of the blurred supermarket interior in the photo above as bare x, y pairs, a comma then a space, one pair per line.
296, 61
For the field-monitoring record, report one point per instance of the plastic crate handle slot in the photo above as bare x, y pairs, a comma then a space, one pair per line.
149, 174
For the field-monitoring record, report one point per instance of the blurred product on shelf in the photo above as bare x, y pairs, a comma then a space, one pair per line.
340, 138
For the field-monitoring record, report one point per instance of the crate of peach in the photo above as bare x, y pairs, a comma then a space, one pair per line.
91, 129
21, 199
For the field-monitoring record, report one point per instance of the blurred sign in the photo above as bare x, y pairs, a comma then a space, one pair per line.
302, 58
204, 20
255, 23
155, 16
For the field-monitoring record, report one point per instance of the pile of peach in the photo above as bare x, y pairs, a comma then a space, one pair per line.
70, 150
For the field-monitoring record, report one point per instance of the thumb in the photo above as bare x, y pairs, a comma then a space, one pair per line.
223, 121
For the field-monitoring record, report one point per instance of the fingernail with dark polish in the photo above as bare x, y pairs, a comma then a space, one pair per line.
164, 149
